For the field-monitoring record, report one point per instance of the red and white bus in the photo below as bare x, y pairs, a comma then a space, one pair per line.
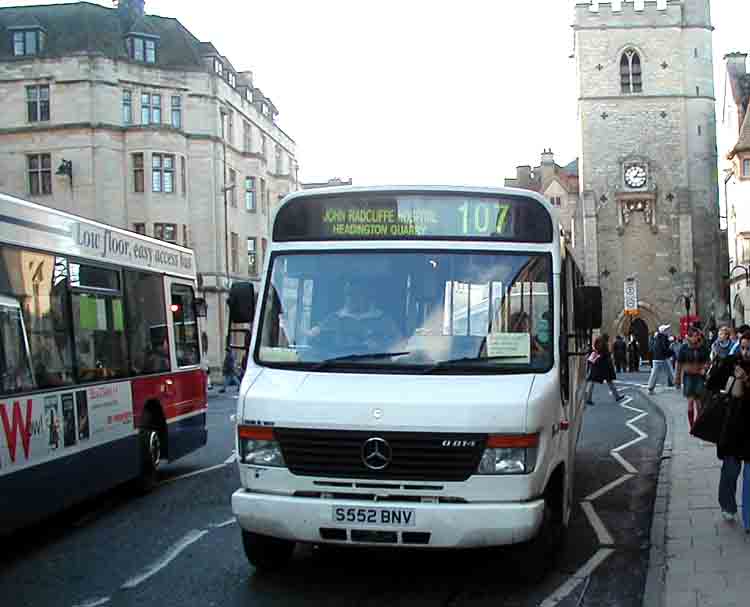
100, 352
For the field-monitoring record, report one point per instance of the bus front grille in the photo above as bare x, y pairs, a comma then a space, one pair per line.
411, 455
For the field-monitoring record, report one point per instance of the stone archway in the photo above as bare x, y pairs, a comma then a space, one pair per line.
646, 314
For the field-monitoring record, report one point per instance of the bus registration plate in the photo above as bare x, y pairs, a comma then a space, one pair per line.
380, 517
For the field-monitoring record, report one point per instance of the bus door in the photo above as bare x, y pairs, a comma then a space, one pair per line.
185, 390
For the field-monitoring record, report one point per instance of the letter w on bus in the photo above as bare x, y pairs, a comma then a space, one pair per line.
18, 425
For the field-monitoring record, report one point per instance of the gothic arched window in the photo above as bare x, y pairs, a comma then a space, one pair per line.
630, 72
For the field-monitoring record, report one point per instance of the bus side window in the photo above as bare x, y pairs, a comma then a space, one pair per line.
185, 326
146, 323
98, 323
36, 284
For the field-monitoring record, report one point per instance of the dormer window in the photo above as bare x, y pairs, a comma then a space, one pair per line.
218, 68
231, 79
28, 42
141, 48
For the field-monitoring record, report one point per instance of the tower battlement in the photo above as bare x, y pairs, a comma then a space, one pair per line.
591, 14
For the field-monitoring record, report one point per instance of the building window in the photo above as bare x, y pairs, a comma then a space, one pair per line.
252, 260
185, 236
262, 195
232, 79
230, 127
746, 167
631, 79
250, 194
139, 228
166, 231
263, 147
278, 160
28, 42
246, 137
219, 67
127, 107
150, 108
40, 174
141, 49
234, 246
263, 247
37, 103
232, 188
555, 201
177, 112
162, 173
744, 242
138, 181
183, 175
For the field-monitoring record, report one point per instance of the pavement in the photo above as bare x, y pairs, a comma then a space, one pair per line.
697, 559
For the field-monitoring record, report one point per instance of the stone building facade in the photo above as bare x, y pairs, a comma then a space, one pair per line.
735, 131
648, 160
559, 185
150, 130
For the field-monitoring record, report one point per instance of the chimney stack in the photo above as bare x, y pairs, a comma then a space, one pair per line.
130, 10
736, 64
548, 157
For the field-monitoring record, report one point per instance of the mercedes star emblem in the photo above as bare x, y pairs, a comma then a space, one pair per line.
376, 453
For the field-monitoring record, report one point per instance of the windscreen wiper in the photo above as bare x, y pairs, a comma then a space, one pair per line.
355, 357
457, 362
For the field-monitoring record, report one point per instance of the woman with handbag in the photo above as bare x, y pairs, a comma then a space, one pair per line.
600, 370
733, 447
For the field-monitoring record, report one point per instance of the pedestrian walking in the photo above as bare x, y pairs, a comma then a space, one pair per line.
620, 351
674, 347
691, 371
634, 355
600, 370
661, 354
734, 446
723, 345
230, 371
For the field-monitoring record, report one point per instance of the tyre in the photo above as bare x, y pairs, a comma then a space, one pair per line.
266, 553
538, 556
152, 450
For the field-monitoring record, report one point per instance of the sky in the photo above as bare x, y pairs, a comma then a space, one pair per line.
415, 91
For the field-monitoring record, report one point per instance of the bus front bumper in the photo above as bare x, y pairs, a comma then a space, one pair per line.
431, 525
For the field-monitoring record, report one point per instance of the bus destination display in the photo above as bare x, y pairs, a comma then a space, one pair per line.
389, 217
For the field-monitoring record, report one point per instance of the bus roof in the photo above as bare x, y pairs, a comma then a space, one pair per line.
29, 224
415, 212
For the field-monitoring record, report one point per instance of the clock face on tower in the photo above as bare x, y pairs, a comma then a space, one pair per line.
635, 176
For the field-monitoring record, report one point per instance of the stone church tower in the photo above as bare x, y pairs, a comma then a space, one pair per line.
648, 160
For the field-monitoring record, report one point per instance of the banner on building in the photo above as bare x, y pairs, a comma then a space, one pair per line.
631, 297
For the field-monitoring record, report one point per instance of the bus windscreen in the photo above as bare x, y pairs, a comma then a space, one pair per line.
413, 216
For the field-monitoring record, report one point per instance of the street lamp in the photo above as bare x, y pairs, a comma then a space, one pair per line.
66, 168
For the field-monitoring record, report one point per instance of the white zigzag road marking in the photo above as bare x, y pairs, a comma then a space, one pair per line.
603, 535
608, 488
577, 578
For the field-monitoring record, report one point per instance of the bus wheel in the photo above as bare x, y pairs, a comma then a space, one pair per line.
149, 439
266, 553
539, 555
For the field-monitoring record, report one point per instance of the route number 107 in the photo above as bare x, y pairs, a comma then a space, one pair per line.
479, 217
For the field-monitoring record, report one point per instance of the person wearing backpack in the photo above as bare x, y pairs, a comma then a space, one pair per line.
661, 354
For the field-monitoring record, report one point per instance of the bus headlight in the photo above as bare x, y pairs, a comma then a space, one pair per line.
509, 454
259, 447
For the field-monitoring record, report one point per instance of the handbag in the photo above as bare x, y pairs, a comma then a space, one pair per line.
710, 425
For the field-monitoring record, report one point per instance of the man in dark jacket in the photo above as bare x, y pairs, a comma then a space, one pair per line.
230, 370
619, 349
661, 354
733, 447
634, 355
